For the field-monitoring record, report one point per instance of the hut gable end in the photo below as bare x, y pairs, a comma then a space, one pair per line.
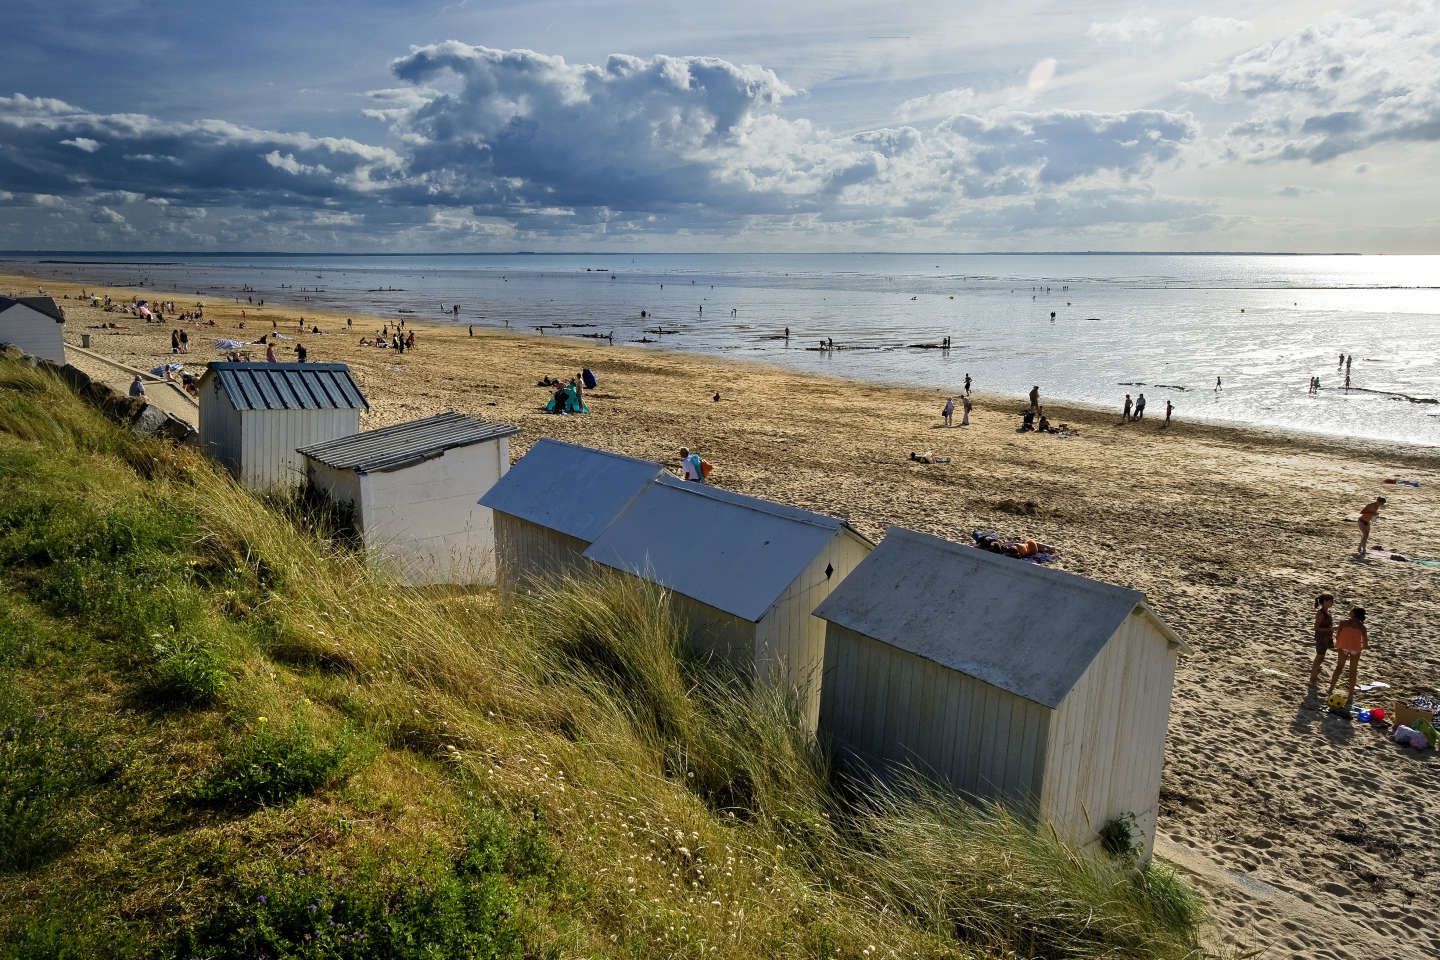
1020, 627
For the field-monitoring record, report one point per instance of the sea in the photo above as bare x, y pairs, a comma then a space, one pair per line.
1226, 338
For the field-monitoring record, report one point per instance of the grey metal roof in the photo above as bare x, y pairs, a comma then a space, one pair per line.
288, 386
733, 552
45, 305
1015, 625
569, 488
403, 444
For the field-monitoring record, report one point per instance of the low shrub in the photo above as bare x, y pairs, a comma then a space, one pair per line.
267, 767
185, 670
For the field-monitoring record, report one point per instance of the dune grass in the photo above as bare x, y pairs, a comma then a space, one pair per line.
222, 736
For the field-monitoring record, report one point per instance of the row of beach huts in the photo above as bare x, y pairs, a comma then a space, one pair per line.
1006, 680
1002, 678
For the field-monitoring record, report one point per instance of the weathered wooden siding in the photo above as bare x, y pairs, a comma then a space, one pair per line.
715, 634
219, 427
790, 640
1110, 738
525, 551
269, 440
890, 708
32, 331
423, 521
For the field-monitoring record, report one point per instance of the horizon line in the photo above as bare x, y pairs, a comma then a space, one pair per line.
705, 253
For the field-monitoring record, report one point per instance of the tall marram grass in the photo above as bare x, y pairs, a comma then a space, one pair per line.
686, 812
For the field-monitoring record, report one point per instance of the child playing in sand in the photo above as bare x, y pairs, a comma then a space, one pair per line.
1368, 514
1324, 633
1351, 638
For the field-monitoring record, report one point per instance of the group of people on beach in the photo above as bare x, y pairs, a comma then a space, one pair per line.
1135, 409
1350, 637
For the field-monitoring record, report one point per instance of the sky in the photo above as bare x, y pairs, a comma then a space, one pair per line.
566, 125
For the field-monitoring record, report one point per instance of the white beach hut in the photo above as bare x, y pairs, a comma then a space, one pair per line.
553, 504
744, 574
254, 417
1010, 681
34, 324
412, 489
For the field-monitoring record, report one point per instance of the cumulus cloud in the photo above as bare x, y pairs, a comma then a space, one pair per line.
1126, 30
519, 143
1340, 86
50, 146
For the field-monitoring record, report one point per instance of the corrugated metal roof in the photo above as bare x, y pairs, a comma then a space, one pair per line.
1015, 625
288, 386
402, 444
735, 553
568, 488
45, 305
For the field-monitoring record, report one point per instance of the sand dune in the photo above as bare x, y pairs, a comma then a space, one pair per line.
1315, 837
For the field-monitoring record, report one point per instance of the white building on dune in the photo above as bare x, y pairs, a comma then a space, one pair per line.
1007, 680
412, 490
254, 417
35, 325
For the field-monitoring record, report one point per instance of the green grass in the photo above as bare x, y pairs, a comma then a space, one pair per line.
222, 736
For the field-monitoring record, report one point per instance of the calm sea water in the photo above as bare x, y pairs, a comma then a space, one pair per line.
1162, 324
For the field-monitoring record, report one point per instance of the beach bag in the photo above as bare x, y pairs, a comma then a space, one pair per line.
705, 467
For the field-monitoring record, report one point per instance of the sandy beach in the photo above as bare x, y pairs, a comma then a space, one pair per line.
1309, 832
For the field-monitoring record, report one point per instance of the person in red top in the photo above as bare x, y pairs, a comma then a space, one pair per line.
1351, 638
1368, 513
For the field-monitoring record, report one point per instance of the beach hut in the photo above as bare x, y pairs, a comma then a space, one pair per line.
33, 324
254, 417
744, 574
411, 489
553, 504
1008, 680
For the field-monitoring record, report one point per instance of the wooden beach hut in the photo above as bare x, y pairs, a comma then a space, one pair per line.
554, 502
254, 417
1007, 680
35, 325
744, 574
412, 489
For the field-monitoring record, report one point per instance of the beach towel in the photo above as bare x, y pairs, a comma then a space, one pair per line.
232, 345
1432, 562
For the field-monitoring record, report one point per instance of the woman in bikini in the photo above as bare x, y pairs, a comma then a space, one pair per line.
1324, 634
1351, 638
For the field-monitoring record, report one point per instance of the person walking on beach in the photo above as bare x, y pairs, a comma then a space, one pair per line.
1217, 383
1347, 379
270, 353
184, 341
300, 353
1035, 397
1169, 409
690, 466
174, 341
1368, 515
965, 406
1324, 634
1140, 407
967, 383
1349, 360
1351, 639
1129, 404
949, 412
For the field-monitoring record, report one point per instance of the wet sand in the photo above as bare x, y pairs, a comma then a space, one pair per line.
1312, 834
